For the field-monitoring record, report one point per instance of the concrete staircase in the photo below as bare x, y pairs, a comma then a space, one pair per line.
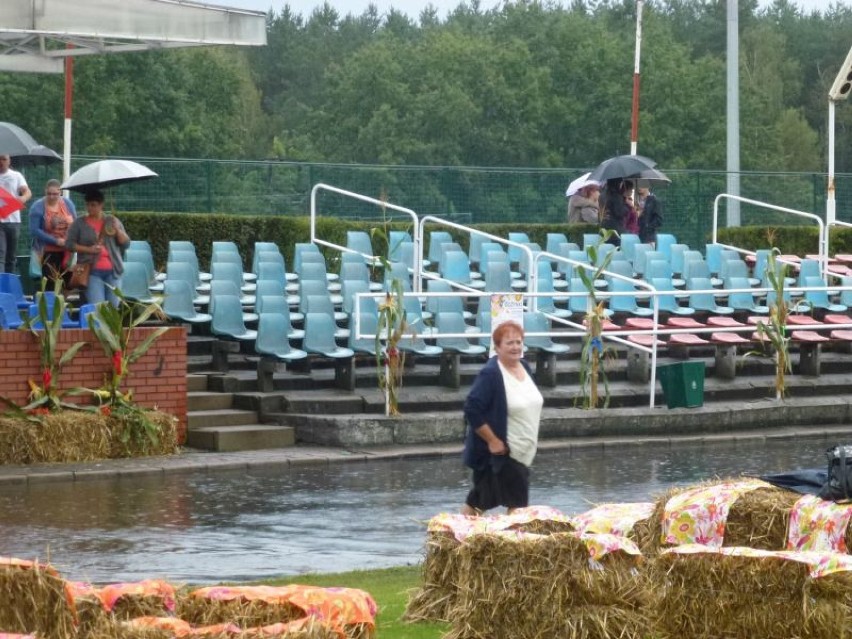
214, 423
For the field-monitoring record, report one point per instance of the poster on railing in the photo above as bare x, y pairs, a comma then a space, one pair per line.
506, 308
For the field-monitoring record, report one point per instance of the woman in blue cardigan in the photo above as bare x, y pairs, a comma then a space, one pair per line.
502, 413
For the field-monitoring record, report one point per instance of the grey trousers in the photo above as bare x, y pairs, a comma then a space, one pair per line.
8, 245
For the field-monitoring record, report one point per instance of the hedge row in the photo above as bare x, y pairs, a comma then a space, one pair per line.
286, 231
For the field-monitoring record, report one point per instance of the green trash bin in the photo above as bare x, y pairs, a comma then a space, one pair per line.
683, 384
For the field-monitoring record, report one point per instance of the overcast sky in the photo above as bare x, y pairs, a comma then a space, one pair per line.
411, 7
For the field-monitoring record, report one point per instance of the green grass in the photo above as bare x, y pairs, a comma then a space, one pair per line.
390, 588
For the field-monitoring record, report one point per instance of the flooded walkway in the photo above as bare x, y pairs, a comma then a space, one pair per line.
256, 522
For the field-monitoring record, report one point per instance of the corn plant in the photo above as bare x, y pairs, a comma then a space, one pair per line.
113, 326
594, 355
392, 324
774, 330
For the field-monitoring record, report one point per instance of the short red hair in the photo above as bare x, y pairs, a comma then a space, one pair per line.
504, 328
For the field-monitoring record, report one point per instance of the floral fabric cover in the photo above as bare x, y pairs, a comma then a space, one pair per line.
613, 519
335, 607
109, 595
698, 515
818, 525
463, 526
819, 563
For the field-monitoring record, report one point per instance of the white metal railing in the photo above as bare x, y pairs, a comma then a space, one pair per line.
532, 276
418, 250
823, 236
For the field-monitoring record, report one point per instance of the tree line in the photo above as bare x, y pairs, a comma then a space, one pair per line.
528, 84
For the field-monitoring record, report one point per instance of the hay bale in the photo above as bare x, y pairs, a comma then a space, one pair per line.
757, 519
519, 586
203, 608
438, 591
302, 629
437, 594
65, 436
89, 609
148, 598
710, 595
33, 600
78, 435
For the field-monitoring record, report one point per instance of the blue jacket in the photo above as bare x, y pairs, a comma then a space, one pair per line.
38, 235
485, 404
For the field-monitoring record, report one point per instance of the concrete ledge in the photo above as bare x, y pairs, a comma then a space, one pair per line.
631, 424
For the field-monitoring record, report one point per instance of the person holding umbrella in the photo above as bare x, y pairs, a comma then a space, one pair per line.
50, 218
99, 241
582, 196
15, 184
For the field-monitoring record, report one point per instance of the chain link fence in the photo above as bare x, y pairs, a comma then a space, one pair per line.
467, 195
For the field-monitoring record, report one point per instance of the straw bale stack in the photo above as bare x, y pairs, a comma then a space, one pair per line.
73, 436
757, 519
437, 594
710, 595
536, 586
33, 600
66, 436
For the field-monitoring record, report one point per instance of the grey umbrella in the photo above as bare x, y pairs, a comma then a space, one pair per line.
22, 147
622, 166
106, 173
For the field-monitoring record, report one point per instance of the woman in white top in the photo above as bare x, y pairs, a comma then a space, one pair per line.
502, 413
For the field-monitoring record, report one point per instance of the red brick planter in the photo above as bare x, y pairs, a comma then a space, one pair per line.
158, 379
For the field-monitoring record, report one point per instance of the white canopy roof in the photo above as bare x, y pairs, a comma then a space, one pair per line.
35, 34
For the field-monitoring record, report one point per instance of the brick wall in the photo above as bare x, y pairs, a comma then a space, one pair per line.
158, 379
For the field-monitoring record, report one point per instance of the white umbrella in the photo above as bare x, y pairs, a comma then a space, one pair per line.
579, 183
105, 173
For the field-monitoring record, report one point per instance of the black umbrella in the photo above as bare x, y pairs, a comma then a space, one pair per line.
652, 175
20, 145
622, 166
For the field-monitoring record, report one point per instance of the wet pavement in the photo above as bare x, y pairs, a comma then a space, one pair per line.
205, 517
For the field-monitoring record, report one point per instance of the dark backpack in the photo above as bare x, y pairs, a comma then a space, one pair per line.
838, 486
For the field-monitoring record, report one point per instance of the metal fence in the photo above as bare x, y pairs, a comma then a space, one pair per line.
468, 195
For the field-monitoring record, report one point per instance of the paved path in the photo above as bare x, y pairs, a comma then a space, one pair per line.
194, 461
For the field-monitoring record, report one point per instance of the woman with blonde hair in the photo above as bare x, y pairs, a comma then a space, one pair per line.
50, 218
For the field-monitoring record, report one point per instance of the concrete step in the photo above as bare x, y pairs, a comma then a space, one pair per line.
208, 400
219, 417
242, 437
196, 383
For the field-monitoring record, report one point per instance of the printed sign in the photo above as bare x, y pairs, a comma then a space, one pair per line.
506, 308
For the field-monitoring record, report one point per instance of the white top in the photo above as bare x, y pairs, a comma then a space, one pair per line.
524, 402
12, 181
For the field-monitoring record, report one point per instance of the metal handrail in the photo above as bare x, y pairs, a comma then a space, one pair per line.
823, 234
418, 251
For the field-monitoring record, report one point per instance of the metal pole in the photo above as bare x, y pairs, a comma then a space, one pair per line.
830, 212
733, 111
66, 136
634, 120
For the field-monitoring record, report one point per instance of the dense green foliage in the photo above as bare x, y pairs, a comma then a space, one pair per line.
529, 84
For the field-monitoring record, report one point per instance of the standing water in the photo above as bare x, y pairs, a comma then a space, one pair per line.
233, 526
